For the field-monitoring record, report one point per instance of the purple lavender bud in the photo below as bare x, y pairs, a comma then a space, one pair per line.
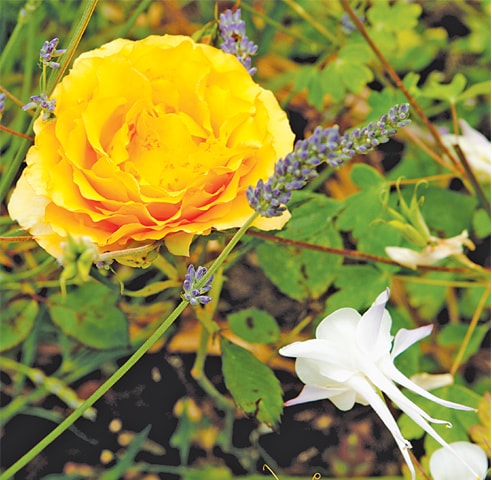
325, 145
2, 102
194, 293
47, 106
48, 52
234, 39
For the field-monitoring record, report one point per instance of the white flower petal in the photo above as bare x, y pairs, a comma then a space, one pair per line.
313, 372
390, 389
426, 427
366, 390
405, 338
430, 381
445, 466
309, 394
405, 256
392, 372
342, 323
323, 351
371, 325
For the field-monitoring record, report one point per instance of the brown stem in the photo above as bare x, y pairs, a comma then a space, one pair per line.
17, 134
350, 253
392, 73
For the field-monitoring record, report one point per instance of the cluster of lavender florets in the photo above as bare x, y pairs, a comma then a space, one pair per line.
325, 146
48, 52
234, 39
47, 106
193, 293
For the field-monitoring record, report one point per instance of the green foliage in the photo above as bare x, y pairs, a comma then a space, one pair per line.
254, 326
304, 273
89, 314
461, 420
330, 255
252, 384
18, 316
358, 286
447, 211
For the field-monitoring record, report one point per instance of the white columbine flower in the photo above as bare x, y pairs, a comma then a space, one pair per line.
476, 148
351, 360
444, 466
437, 249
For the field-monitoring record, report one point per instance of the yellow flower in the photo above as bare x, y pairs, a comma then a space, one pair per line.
153, 139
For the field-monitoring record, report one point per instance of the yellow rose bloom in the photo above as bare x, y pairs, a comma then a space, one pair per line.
153, 139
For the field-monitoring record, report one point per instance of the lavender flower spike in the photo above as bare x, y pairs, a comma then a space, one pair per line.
47, 106
234, 39
324, 146
48, 52
193, 293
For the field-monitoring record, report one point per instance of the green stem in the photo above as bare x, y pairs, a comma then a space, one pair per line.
142, 6
198, 373
12, 168
311, 20
79, 411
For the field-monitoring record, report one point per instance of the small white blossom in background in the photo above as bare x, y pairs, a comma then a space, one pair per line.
351, 360
476, 148
437, 249
445, 466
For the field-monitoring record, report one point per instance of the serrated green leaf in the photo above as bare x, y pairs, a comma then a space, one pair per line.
333, 82
355, 76
16, 321
299, 272
355, 53
482, 88
447, 92
394, 17
89, 315
254, 387
358, 286
254, 326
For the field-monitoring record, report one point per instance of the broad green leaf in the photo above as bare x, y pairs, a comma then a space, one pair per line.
333, 82
358, 285
482, 88
254, 326
469, 300
399, 16
448, 211
17, 321
481, 223
447, 92
254, 387
365, 176
428, 298
297, 271
453, 335
89, 315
